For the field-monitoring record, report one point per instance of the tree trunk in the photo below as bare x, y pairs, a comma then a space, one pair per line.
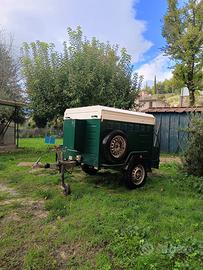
192, 97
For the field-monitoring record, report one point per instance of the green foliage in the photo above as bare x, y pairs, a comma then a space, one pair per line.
88, 72
193, 156
184, 36
10, 88
196, 184
166, 87
169, 86
9, 68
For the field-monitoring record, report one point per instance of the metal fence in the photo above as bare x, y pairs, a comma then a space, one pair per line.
171, 129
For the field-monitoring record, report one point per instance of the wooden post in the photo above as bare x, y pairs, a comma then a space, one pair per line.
155, 86
17, 127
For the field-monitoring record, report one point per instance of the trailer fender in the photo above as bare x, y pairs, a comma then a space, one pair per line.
139, 158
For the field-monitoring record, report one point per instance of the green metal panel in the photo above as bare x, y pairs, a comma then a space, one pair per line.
80, 129
140, 136
69, 134
165, 132
182, 134
74, 131
82, 137
173, 137
173, 133
92, 142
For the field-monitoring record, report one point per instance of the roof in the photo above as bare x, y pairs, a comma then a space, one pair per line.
11, 103
108, 113
173, 109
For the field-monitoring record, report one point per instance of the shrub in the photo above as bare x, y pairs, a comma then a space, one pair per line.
193, 155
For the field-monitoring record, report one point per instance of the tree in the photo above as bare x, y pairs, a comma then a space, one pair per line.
184, 36
41, 67
9, 68
9, 74
193, 156
88, 72
167, 86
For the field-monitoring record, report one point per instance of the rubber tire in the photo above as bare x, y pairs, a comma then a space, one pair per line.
128, 175
106, 147
89, 169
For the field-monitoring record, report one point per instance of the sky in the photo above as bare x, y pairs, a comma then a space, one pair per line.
133, 24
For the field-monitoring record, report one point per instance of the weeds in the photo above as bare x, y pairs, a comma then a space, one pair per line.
58, 208
101, 225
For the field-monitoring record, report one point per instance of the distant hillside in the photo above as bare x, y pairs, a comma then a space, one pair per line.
174, 99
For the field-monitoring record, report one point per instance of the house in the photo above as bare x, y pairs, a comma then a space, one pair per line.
148, 102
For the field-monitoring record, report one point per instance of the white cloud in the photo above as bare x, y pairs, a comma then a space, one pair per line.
47, 20
159, 66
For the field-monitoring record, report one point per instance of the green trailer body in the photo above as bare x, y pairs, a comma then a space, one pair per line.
139, 136
84, 135
98, 137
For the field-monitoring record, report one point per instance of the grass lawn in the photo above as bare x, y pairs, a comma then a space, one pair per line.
101, 225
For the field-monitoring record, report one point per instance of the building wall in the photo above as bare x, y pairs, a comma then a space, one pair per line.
152, 104
9, 136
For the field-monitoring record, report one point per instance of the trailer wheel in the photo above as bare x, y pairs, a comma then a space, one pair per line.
115, 146
89, 169
135, 175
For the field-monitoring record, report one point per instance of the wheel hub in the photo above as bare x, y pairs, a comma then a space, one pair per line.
138, 174
117, 146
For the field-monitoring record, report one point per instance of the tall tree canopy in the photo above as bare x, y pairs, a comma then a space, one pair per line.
9, 68
9, 73
183, 31
88, 72
167, 86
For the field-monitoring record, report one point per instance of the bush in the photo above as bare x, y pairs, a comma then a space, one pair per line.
193, 156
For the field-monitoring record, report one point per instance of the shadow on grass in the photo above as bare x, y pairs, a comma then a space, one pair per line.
104, 178
112, 179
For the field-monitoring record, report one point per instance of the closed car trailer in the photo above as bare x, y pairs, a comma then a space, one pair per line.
103, 137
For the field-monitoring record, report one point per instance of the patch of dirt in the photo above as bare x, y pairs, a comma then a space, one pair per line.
34, 165
36, 208
66, 251
9, 190
25, 164
37, 171
10, 201
13, 216
43, 171
76, 250
170, 159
